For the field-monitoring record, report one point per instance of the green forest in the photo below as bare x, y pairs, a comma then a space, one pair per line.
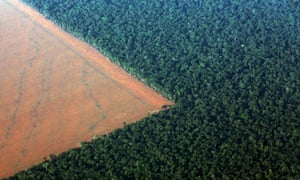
231, 66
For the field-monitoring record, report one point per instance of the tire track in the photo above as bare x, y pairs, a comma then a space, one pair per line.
17, 103
88, 89
42, 95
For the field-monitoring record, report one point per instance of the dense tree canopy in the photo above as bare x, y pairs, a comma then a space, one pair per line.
230, 65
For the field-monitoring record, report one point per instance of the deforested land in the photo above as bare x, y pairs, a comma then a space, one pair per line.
57, 91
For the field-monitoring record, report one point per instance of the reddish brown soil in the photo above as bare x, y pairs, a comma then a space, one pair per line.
56, 91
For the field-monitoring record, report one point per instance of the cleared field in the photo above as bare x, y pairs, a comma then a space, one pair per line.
56, 91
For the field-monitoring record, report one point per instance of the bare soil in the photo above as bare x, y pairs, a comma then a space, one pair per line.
56, 91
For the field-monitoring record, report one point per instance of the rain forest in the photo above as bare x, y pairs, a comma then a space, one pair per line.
231, 67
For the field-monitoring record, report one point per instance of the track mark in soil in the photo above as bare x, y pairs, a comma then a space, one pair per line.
17, 103
84, 75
